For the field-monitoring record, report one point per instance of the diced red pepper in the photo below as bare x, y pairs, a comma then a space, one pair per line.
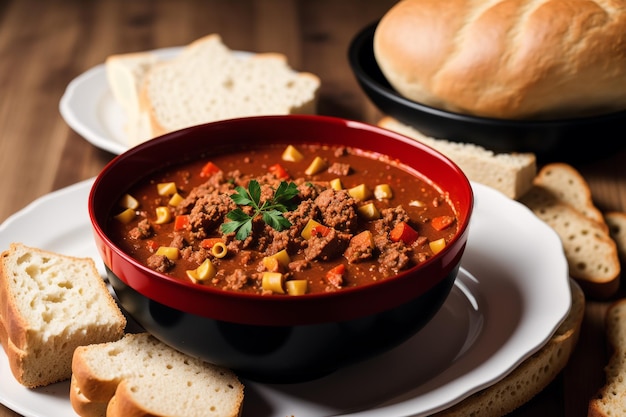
209, 169
441, 222
334, 276
209, 242
403, 232
320, 230
181, 222
152, 245
278, 171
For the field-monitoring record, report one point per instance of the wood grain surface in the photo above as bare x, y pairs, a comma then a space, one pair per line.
46, 44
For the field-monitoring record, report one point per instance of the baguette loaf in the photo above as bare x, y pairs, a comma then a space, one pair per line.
507, 59
532, 375
590, 251
140, 376
511, 174
610, 399
49, 305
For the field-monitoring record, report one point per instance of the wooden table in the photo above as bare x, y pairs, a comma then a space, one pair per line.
44, 45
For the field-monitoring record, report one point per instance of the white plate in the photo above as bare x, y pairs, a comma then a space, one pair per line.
510, 296
88, 106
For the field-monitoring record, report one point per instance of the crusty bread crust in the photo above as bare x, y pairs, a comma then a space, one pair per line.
616, 222
532, 375
140, 376
506, 59
591, 253
610, 399
49, 305
511, 173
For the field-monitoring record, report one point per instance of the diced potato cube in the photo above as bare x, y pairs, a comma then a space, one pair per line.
297, 286
308, 228
126, 216
437, 245
369, 211
336, 184
175, 200
383, 191
166, 188
129, 202
291, 154
170, 252
276, 261
360, 192
317, 166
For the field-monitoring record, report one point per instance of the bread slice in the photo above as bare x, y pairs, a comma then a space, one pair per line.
140, 376
125, 73
208, 82
591, 253
616, 222
49, 305
532, 375
566, 183
610, 399
511, 173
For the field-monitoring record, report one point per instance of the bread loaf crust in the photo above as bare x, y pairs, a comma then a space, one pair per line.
510, 59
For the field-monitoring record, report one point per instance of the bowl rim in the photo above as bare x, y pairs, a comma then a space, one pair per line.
364, 38
226, 299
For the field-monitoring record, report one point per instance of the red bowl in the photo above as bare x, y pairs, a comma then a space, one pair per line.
261, 336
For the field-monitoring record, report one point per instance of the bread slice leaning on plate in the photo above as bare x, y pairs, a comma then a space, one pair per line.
49, 305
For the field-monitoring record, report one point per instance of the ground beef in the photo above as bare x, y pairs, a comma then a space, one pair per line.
159, 263
338, 209
326, 247
143, 230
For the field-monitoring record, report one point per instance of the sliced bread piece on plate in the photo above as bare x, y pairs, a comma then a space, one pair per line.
49, 305
141, 376
208, 82
591, 253
510, 173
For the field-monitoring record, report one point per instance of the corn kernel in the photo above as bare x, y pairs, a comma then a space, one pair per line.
273, 281
369, 211
126, 216
317, 166
297, 286
166, 188
291, 154
129, 202
163, 215
383, 191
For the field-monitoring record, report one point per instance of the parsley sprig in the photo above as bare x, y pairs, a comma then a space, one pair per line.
271, 210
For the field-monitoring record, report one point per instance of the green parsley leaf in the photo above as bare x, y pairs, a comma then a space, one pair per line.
271, 210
